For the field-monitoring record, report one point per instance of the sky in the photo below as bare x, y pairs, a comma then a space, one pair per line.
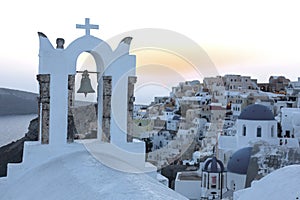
254, 38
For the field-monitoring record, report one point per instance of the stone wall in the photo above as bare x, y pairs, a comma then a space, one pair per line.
44, 106
71, 95
130, 101
106, 116
266, 158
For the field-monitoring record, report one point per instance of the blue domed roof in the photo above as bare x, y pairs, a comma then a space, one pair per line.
213, 165
239, 161
256, 112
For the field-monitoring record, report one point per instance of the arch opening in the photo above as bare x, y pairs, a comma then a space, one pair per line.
83, 109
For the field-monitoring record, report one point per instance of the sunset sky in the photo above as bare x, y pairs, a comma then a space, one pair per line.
255, 38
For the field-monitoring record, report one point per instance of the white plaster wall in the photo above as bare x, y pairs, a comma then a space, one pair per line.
189, 189
53, 62
252, 125
238, 179
288, 117
120, 70
227, 142
58, 122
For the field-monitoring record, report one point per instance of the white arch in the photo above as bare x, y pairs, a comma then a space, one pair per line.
100, 50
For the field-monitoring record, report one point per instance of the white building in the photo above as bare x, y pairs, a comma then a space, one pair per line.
209, 182
236, 109
255, 123
168, 114
290, 122
188, 184
293, 87
173, 124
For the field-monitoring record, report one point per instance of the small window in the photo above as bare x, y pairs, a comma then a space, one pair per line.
244, 130
258, 132
214, 182
287, 133
272, 131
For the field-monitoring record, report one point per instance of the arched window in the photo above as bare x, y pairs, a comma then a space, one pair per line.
272, 131
258, 131
244, 130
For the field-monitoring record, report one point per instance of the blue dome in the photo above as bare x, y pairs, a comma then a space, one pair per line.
176, 117
256, 112
213, 165
239, 161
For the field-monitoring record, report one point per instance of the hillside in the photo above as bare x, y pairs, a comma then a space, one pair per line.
15, 102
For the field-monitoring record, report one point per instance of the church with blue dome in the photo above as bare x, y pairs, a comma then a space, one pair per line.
256, 123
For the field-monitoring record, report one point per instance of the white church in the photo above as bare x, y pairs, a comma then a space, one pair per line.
255, 123
109, 167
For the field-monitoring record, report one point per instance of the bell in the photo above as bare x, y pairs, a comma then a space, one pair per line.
85, 84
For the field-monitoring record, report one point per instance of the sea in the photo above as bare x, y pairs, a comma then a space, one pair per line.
14, 127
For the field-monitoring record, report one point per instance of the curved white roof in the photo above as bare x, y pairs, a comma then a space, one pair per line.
78, 176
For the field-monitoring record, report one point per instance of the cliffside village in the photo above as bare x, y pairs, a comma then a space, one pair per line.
221, 134
211, 139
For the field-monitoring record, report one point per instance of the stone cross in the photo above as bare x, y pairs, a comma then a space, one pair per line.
87, 26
